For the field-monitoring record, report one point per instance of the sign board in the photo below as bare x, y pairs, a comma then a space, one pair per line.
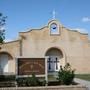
29, 66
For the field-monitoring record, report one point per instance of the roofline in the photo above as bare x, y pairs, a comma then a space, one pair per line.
75, 31
29, 30
34, 29
10, 42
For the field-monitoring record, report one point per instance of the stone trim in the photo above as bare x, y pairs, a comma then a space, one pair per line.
71, 87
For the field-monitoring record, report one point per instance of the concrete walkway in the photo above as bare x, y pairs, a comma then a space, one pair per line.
83, 82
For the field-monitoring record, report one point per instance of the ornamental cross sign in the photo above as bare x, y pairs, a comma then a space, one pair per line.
52, 61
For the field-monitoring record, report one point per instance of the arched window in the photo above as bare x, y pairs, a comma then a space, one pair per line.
4, 62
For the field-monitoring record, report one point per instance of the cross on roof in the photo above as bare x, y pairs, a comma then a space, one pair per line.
54, 14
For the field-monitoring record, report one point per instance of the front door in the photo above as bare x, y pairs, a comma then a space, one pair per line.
53, 63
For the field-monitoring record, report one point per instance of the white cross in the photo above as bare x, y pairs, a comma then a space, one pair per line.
54, 14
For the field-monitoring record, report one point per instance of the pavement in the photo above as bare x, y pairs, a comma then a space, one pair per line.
83, 82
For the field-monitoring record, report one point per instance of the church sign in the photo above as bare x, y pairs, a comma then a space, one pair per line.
29, 66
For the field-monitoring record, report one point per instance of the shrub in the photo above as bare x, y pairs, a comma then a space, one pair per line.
2, 77
10, 78
30, 81
66, 75
43, 83
33, 81
7, 78
21, 81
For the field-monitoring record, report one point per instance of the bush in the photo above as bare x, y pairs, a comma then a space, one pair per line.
30, 81
2, 77
33, 81
21, 81
7, 78
66, 75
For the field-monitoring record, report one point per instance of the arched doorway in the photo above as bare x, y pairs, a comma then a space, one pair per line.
4, 62
54, 56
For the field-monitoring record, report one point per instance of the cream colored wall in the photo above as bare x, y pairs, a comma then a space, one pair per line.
79, 52
35, 43
13, 49
73, 44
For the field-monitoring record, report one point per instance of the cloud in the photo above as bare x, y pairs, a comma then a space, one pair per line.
7, 40
82, 30
86, 19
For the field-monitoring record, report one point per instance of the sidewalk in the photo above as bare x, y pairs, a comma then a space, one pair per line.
83, 82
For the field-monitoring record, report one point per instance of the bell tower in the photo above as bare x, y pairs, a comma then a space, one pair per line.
54, 27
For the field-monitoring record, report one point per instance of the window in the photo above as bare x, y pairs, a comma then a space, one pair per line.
54, 29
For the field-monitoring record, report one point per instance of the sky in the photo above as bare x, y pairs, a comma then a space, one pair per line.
29, 14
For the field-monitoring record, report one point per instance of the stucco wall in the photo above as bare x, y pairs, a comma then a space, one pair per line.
11, 48
74, 45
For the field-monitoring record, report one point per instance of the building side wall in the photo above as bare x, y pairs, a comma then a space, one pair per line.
11, 48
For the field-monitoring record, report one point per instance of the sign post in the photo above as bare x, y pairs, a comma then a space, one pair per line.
46, 71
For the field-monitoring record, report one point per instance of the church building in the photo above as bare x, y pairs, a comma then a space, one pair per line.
54, 43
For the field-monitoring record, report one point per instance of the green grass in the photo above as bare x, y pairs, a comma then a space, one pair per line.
51, 78
83, 76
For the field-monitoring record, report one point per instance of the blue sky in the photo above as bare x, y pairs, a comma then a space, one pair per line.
24, 14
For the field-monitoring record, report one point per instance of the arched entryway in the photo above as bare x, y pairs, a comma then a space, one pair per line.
4, 62
54, 56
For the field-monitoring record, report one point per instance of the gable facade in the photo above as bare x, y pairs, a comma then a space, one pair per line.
54, 42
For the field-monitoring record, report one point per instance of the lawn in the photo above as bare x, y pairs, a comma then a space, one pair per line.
83, 76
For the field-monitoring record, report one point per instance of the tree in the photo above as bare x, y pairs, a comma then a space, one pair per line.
2, 30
